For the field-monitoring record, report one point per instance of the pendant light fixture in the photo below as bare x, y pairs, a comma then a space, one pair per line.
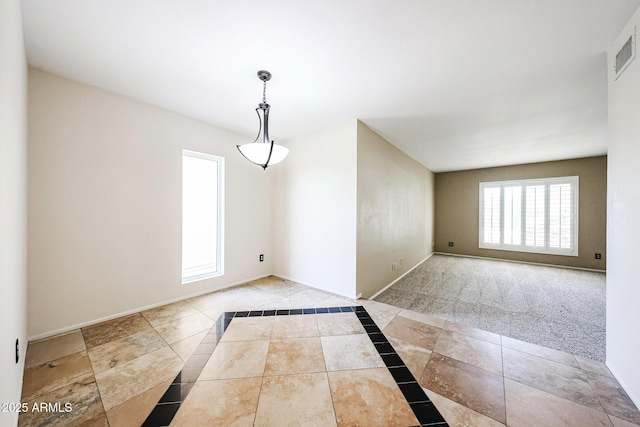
263, 151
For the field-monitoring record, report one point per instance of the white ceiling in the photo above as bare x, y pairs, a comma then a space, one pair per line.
456, 84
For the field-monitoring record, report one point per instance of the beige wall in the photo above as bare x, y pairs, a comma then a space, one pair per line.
348, 205
395, 212
105, 205
13, 205
456, 213
315, 211
623, 221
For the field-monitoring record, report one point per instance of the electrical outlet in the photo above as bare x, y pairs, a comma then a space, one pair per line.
450, 244
17, 350
261, 257
393, 266
598, 256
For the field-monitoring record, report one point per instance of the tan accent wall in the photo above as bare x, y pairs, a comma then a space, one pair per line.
457, 216
395, 212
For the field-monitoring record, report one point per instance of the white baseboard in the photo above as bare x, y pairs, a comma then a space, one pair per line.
322, 288
395, 281
138, 310
522, 262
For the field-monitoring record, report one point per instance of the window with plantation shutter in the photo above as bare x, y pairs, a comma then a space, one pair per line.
534, 215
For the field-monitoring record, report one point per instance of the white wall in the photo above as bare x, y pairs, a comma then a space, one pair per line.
623, 225
13, 205
315, 211
395, 212
105, 205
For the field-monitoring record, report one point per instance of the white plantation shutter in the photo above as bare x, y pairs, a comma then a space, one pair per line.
538, 215
535, 215
560, 215
512, 215
492, 215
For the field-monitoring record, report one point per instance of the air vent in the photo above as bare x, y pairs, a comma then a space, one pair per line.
626, 54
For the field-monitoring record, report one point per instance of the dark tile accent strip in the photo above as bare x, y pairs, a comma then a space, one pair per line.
163, 413
424, 410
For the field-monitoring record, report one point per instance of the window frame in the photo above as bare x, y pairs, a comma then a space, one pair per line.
220, 217
522, 247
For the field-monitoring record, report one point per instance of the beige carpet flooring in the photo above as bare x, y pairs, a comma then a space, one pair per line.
554, 307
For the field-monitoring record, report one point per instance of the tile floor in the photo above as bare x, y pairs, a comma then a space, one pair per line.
312, 369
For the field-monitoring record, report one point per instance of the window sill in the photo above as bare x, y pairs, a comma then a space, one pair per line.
200, 277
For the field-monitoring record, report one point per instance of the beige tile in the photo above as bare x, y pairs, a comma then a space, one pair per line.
104, 332
207, 301
473, 332
262, 301
473, 351
288, 303
248, 298
458, 415
249, 328
552, 377
296, 326
382, 314
475, 388
423, 318
238, 304
168, 313
593, 366
132, 378
267, 282
217, 298
185, 327
231, 402
53, 348
47, 377
185, 348
527, 406
113, 329
236, 359
613, 398
279, 287
310, 297
369, 397
99, 421
109, 355
133, 412
415, 358
335, 301
414, 332
214, 312
295, 400
619, 422
294, 356
350, 352
339, 324
544, 352
82, 396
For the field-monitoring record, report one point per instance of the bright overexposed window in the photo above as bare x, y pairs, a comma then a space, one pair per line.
202, 215
534, 215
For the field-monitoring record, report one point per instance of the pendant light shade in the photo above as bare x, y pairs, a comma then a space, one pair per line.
263, 151
258, 153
